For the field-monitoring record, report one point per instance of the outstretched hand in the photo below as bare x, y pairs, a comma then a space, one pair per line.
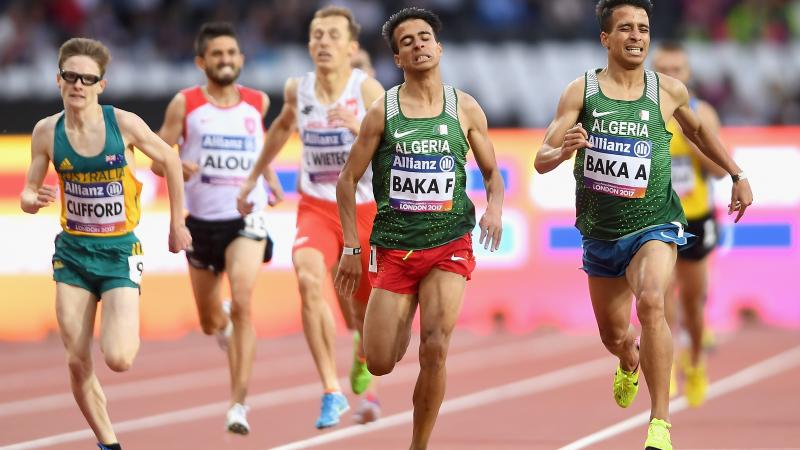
491, 226
741, 198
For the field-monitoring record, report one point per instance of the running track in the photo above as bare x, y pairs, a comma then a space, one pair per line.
505, 392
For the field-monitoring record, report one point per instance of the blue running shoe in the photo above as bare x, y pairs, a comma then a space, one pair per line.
334, 404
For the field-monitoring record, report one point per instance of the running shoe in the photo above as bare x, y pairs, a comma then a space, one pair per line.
658, 436
368, 411
109, 446
224, 335
696, 385
626, 386
334, 404
359, 374
236, 419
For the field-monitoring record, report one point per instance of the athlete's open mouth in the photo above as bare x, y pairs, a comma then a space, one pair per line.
636, 51
421, 58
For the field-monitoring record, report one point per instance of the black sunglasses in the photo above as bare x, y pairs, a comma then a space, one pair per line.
86, 78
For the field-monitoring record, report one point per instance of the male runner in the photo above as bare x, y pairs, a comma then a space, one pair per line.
97, 255
630, 218
219, 127
691, 179
417, 138
326, 106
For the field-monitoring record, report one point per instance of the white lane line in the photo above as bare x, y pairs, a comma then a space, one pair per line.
514, 390
772, 366
538, 347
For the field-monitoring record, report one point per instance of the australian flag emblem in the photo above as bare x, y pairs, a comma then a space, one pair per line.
114, 159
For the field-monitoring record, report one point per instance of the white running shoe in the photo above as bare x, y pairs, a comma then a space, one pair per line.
368, 411
223, 336
236, 419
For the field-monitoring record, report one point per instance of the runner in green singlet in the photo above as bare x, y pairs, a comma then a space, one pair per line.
417, 137
97, 256
613, 121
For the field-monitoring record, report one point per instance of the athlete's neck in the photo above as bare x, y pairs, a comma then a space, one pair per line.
81, 119
223, 96
623, 77
330, 85
424, 86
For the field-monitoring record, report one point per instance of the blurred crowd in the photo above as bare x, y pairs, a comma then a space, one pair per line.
144, 30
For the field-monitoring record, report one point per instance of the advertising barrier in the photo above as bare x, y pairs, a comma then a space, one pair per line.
533, 280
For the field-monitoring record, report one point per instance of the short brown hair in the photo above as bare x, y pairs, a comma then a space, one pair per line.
352, 26
84, 46
209, 31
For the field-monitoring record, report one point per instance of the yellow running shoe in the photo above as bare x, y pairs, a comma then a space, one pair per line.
696, 385
658, 436
673, 382
360, 377
626, 386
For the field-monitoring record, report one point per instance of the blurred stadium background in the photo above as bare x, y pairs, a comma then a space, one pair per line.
514, 56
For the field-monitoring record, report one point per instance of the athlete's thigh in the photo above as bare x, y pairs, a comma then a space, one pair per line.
611, 302
651, 268
207, 289
310, 259
75, 311
441, 294
243, 260
119, 326
387, 322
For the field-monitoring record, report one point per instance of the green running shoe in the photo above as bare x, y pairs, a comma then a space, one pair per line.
359, 374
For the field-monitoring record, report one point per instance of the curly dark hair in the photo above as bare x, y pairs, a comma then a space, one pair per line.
605, 8
408, 14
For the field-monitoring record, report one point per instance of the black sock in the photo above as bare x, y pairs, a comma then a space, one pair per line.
114, 446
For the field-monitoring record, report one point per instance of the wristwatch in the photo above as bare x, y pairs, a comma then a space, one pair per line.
738, 177
351, 250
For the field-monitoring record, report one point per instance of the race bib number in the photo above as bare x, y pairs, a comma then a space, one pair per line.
682, 175
255, 225
95, 207
325, 153
226, 160
617, 166
136, 268
422, 183
373, 259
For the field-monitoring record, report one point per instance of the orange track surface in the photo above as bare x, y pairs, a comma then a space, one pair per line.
505, 392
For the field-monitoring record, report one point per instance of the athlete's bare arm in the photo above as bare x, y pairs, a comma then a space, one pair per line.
361, 153
491, 224
563, 137
706, 141
139, 135
709, 120
171, 131
340, 116
36, 194
277, 135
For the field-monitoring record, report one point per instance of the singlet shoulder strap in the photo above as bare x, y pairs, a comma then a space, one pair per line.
392, 102
651, 79
592, 85
450, 101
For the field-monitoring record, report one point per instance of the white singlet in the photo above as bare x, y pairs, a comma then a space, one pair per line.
224, 143
326, 148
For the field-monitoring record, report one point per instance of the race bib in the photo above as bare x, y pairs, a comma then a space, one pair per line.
136, 268
255, 225
617, 166
422, 183
325, 154
682, 175
226, 160
97, 207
